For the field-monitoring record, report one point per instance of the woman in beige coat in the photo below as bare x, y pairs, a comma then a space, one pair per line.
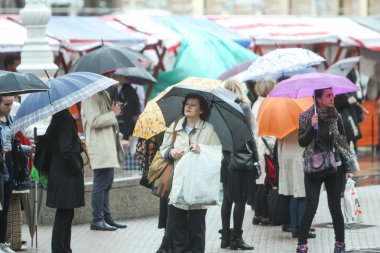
188, 224
291, 179
104, 148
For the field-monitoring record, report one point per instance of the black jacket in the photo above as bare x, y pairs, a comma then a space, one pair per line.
65, 179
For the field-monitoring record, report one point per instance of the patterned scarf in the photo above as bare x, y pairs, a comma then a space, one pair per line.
330, 116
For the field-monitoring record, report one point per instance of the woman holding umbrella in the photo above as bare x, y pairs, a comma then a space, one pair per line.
236, 184
323, 131
191, 130
65, 190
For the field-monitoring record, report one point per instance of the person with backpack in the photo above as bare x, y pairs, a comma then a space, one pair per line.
65, 188
236, 183
7, 172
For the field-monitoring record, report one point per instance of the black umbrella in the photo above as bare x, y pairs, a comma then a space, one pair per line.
107, 59
136, 75
226, 116
12, 83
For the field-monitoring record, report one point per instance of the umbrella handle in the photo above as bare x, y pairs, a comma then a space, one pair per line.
87, 158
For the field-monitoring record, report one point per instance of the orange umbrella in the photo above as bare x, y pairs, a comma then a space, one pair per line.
279, 116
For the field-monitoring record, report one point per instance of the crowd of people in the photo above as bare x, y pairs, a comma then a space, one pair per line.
108, 120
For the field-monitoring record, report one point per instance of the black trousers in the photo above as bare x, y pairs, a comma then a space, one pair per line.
8, 188
61, 237
189, 229
238, 214
334, 183
261, 203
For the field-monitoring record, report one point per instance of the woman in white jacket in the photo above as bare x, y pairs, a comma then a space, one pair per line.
263, 87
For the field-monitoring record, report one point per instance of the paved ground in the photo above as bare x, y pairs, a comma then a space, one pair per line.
142, 235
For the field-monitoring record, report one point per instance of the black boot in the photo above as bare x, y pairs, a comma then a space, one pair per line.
226, 238
237, 241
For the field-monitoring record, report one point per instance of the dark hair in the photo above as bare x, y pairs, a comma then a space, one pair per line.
318, 94
10, 59
202, 102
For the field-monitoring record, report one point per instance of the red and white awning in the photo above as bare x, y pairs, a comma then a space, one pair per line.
277, 30
145, 24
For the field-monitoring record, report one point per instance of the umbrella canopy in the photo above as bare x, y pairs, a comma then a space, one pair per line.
108, 59
151, 121
65, 91
300, 86
237, 69
226, 116
12, 83
279, 61
283, 110
343, 67
136, 75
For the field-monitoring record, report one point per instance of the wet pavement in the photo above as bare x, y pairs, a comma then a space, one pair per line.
143, 236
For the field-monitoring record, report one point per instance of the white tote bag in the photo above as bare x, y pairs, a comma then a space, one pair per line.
196, 179
351, 209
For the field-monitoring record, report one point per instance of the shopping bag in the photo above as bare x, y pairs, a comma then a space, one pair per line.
351, 209
196, 179
163, 183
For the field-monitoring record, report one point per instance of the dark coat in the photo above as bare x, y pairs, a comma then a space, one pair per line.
350, 117
65, 180
130, 111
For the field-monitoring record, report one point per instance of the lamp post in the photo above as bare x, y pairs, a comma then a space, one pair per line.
36, 54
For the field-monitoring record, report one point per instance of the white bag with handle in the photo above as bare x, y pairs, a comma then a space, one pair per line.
196, 179
351, 209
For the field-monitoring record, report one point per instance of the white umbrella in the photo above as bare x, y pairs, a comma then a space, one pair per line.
281, 61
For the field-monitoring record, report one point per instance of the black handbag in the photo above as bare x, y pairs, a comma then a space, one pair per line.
320, 164
242, 160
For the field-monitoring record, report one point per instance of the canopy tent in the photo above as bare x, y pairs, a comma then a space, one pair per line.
349, 32
276, 30
372, 22
13, 36
147, 25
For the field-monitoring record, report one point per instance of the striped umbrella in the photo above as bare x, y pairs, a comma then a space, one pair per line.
65, 91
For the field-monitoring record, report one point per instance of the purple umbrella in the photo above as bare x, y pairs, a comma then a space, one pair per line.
300, 86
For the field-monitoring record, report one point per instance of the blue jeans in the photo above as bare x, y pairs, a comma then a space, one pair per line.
102, 184
297, 209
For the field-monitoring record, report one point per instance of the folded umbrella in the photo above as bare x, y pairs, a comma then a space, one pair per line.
136, 75
12, 83
108, 59
226, 116
279, 116
279, 61
65, 91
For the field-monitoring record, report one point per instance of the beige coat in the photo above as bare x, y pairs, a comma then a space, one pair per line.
291, 176
100, 127
261, 148
204, 134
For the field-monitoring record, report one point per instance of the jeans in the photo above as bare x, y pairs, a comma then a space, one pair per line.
333, 183
297, 210
102, 184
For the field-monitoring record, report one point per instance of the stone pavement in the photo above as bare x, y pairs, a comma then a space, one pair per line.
142, 235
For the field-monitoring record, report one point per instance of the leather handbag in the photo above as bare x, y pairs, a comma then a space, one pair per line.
242, 160
163, 178
320, 164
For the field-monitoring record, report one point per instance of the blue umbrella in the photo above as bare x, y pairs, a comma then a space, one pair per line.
65, 91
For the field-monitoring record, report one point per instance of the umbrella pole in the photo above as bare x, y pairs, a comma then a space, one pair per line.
36, 209
315, 109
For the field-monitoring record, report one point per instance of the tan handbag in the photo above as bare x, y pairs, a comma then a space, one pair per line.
159, 162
